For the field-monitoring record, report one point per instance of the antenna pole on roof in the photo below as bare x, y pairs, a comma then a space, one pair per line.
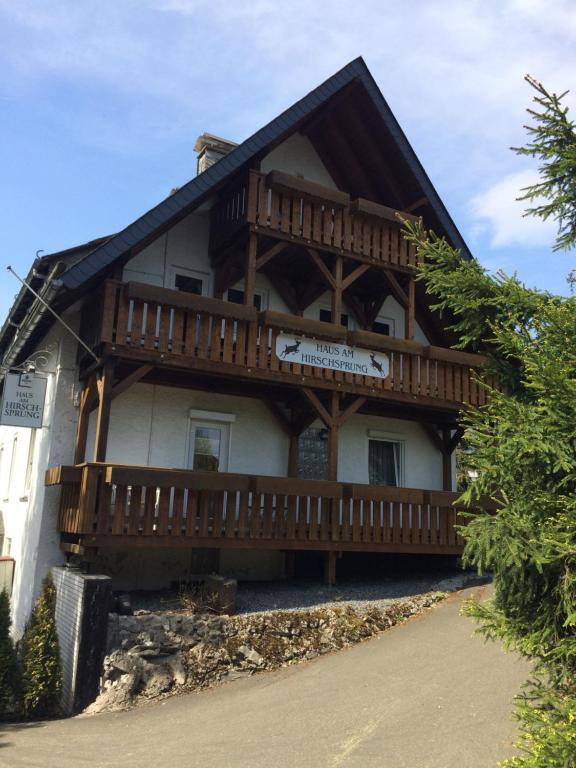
52, 312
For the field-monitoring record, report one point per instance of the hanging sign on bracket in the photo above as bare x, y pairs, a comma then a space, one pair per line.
23, 400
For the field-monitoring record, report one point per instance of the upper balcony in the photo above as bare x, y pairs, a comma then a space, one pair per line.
302, 212
174, 330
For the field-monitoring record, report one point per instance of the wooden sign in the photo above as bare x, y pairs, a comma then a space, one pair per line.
23, 400
337, 357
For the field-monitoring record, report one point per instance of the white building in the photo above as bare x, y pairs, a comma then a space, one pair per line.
196, 434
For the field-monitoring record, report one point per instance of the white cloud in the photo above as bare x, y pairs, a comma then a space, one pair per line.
499, 214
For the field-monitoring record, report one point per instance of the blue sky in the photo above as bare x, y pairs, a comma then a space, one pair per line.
101, 102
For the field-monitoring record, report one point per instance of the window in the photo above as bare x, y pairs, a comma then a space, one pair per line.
188, 281
313, 454
236, 296
383, 325
30, 461
384, 462
188, 284
12, 465
207, 447
209, 441
326, 317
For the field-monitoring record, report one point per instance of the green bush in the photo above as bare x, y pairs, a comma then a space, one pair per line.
8, 663
39, 654
523, 446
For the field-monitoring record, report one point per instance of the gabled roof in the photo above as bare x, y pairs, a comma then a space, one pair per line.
191, 194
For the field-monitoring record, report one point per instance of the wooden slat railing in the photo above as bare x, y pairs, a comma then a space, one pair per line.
151, 505
186, 329
312, 214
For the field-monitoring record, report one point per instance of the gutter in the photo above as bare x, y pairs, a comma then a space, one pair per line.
34, 314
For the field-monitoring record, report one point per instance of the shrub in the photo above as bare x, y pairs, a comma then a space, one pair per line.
40, 658
8, 662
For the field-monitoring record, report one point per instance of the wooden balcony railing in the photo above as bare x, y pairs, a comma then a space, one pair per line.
108, 504
171, 327
307, 212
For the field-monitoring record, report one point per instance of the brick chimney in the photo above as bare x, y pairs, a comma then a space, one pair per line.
210, 149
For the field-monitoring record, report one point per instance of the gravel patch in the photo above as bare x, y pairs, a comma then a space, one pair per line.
294, 595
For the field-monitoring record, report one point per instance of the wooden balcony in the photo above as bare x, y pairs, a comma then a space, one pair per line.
173, 329
303, 212
109, 505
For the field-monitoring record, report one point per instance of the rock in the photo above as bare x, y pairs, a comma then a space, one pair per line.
157, 679
175, 664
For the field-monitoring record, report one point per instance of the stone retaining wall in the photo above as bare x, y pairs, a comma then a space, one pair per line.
153, 655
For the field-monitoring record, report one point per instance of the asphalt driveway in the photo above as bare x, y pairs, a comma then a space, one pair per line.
426, 694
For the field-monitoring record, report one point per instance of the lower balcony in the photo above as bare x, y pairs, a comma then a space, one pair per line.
110, 505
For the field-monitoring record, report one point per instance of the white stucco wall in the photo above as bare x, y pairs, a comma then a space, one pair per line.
184, 245
298, 157
30, 515
149, 425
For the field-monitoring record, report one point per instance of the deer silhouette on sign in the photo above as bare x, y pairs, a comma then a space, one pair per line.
290, 349
375, 364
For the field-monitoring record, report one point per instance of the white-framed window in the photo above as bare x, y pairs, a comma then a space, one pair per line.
209, 441
30, 461
384, 325
325, 315
236, 296
385, 460
189, 280
12, 471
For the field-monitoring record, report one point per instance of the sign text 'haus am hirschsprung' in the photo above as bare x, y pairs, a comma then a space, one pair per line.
336, 357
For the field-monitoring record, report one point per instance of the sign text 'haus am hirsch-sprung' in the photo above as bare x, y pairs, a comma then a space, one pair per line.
23, 400
337, 357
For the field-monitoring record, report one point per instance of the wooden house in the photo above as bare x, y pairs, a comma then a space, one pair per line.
261, 372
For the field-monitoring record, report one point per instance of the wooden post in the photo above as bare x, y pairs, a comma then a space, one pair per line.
250, 270
337, 291
86, 402
103, 415
447, 471
411, 309
332, 469
330, 568
293, 455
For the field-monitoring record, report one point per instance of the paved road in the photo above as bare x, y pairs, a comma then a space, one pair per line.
423, 695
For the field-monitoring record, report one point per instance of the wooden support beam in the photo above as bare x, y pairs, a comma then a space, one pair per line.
265, 257
396, 289
330, 568
453, 441
351, 409
337, 291
434, 435
128, 381
317, 405
422, 201
323, 269
411, 310
281, 417
88, 397
287, 293
293, 455
333, 429
103, 415
354, 275
446, 471
250, 270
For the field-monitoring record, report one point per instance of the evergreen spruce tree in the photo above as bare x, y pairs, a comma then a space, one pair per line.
524, 446
40, 658
8, 663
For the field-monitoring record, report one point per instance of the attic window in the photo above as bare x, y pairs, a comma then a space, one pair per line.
326, 317
188, 284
